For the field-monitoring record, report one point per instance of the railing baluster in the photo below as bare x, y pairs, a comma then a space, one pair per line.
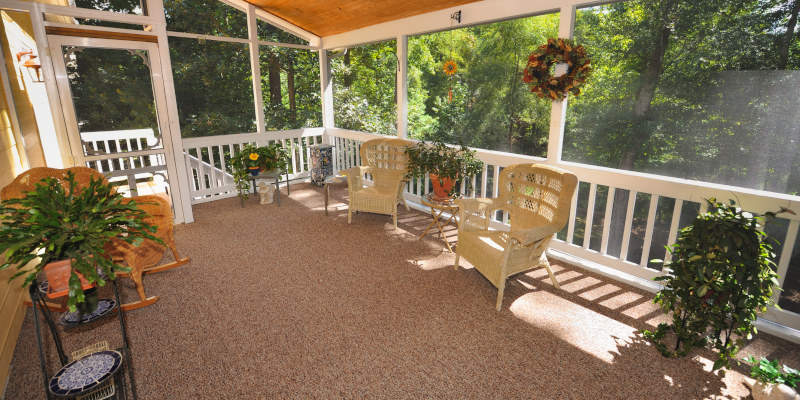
587, 230
648, 232
626, 235
786, 256
673, 228
573, 209
612, 191
484, 184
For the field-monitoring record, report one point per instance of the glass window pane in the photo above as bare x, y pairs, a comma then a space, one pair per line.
120, 6
484, 104
290, 85
364, 97
213, 87
208, 17
692, 91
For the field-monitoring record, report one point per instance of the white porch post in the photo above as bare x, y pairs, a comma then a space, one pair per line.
184, 208
402, 86
555, 142
326, 87
255, 67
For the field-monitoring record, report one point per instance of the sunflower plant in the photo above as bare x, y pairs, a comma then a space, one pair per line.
250, 156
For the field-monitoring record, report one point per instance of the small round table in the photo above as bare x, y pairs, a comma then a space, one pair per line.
327, 182
439, 207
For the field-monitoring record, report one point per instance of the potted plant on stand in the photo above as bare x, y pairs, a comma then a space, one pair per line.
721, 275
63, 230
448, 167
251, 160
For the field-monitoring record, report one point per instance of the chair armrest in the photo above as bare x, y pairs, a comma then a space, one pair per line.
355, 176
474, 214
476, 205
528, 237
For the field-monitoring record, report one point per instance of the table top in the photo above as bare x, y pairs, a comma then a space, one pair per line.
271, 174
81, 376
336, 179
431, 201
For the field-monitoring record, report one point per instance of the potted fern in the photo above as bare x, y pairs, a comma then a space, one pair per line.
448, 167
60, 227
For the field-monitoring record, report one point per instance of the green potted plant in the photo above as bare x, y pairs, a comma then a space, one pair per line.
61, 227
721, 275
448, 166
771, 381
251, 160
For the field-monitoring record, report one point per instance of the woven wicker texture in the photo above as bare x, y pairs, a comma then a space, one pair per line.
385, 161
142, 259
26, 181
538, 199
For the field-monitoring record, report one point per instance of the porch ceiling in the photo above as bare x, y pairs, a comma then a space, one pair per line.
329, 17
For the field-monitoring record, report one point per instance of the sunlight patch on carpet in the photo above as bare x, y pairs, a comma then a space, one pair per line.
595, 334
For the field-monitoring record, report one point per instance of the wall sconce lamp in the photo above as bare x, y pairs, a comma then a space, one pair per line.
30, 61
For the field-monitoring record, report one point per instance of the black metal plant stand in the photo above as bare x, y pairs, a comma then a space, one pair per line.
39, 304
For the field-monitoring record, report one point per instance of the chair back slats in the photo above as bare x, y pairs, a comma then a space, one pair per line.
536, 195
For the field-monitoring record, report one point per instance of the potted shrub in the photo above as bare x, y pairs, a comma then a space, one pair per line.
251, 160
61, 227
772, 382
721, 275
448, 166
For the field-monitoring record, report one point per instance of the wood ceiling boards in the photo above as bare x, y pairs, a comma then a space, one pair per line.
329, 17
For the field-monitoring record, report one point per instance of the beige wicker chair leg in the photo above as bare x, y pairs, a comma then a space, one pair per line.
457, 257
349, 216
500, 289
544, 262
404, 203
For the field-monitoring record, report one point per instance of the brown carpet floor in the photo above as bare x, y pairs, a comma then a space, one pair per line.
284, 302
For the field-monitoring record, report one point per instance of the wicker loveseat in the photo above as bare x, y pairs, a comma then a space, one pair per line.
385, 161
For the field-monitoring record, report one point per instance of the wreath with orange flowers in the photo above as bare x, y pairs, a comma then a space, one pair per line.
539, 76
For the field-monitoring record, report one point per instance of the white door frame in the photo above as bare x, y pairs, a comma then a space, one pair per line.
159, 95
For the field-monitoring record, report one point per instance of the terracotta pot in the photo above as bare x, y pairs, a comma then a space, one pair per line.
57, 274
441, 190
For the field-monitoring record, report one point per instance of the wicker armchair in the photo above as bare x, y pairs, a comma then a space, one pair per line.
538, 199
142, 259
386, 162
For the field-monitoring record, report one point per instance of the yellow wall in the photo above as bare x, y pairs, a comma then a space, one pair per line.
15, 32
11, 295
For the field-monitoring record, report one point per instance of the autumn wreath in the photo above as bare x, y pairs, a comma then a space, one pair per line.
539, 76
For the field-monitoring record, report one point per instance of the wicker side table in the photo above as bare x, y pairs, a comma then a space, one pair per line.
439, 207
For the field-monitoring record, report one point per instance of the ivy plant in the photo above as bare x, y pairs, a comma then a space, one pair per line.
721, 275
769, 372
57, 220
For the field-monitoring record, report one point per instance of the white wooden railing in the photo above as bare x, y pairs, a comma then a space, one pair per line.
208, 159
654, 207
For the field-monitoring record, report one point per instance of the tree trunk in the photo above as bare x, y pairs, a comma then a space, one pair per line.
275, 100
290, 89
349, 76
783, 50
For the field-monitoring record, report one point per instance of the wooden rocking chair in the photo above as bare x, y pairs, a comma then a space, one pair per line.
143, 259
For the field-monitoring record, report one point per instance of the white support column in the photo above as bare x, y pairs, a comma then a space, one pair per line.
255, 67
558, 113
49, 76
402, 86
326, 87
156, 9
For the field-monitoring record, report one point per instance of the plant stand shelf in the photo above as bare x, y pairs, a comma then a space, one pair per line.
275, 175
113, 364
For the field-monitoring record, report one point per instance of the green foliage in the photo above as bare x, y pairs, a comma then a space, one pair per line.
721, 275
454, 163
54, 222
265, 157
769, 372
